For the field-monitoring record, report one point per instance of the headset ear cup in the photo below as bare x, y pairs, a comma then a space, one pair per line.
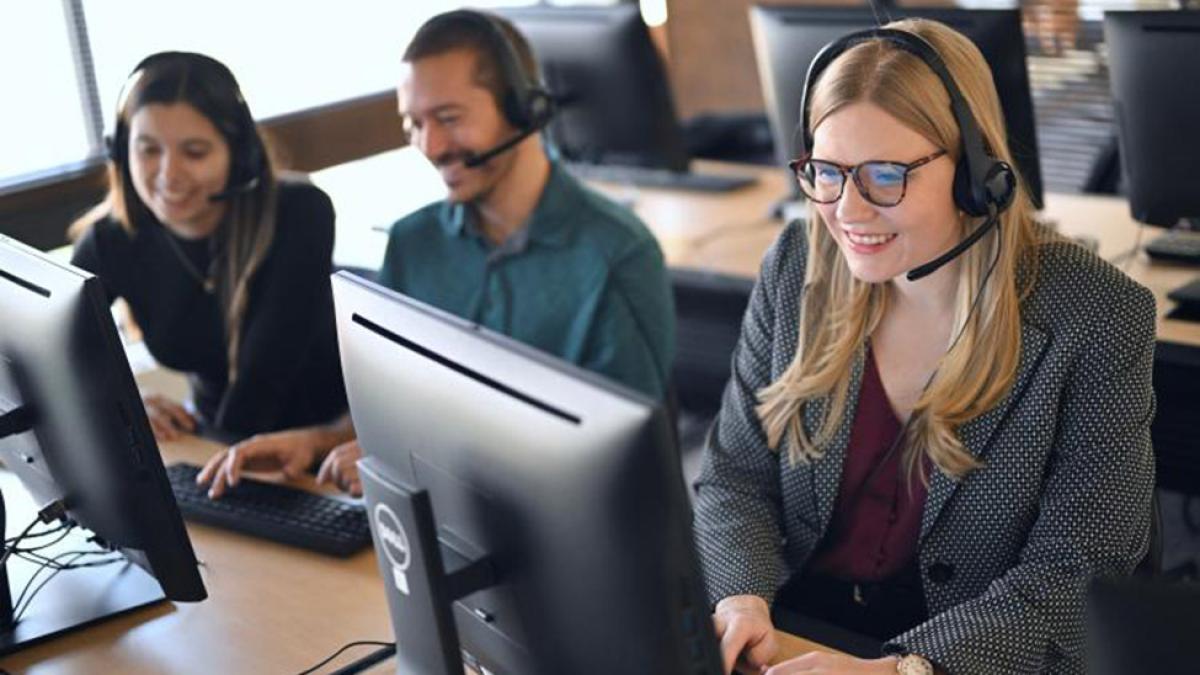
516, 111
248, 165
534, 112
541, 108
116, 145
1001, 185
964, 194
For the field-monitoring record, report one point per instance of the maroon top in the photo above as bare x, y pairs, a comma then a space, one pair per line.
873, 533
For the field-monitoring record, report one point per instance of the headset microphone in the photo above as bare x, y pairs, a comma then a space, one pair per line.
962, 246
477, 160
233, 191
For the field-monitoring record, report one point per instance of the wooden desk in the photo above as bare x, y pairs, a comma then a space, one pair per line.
1121, 241
724, 232
730, 232
271, 609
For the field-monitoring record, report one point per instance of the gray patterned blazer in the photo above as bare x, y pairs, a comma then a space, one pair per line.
1006, 554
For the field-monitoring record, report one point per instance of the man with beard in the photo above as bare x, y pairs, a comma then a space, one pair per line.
519, 246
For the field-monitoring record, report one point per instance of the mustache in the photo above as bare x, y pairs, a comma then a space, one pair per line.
448, 158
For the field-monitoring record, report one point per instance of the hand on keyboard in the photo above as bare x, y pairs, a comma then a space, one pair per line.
341, 468
290, 452
279, 513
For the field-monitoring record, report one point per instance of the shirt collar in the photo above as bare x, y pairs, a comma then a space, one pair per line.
548, 225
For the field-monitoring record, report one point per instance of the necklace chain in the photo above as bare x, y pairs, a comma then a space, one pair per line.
206, 281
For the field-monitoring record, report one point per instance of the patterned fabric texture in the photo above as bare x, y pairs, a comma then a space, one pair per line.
1007, 553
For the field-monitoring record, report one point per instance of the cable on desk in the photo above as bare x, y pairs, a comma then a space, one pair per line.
375, 657
44, 533
343, 648
62, 532
54, 564
12, 544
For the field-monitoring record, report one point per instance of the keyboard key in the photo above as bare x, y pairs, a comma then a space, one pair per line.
279, 513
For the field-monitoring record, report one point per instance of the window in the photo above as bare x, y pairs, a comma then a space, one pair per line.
42, 121
286, 56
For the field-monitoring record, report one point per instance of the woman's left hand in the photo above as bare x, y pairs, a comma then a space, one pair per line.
821, 663
341, 468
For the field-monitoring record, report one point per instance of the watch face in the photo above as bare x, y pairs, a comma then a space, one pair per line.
914, 665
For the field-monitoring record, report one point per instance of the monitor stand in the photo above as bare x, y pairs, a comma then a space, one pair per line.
73, 598
422, 578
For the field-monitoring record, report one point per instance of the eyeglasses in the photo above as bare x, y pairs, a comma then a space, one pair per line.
880, 183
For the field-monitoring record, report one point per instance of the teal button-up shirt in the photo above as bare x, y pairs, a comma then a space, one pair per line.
584, 280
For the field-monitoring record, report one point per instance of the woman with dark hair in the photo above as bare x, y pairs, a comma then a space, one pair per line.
224, 268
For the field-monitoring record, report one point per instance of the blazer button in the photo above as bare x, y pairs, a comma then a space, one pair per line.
940, 573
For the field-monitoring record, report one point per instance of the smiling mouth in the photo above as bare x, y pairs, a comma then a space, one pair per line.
868, 239
174, 200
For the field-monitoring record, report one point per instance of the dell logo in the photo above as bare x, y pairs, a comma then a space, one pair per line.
392, 538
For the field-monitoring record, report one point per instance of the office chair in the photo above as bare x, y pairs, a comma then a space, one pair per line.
1138, 625
708, 321
708, 316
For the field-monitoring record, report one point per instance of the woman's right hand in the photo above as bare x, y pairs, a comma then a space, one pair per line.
743, 624
168, 419
290, 452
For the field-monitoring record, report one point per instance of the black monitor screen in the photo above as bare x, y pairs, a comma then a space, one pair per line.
570, 486
615, 99
787, 39
1154, 77
85, 440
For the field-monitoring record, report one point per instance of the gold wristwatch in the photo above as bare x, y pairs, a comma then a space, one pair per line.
911, 664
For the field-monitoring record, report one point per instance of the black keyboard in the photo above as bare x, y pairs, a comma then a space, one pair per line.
660, 178
1180, 247
280, 513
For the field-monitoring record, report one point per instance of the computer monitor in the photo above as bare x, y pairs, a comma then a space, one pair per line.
75, 434
529, 516
1153, 74
787, 39
615, 98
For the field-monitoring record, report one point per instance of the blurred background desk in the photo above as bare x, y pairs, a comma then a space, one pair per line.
723, 232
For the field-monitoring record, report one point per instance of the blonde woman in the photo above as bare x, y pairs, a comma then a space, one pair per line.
939, 459
225, 269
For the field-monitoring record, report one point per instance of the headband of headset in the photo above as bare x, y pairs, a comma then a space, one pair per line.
248, 156
526, 104
982, 183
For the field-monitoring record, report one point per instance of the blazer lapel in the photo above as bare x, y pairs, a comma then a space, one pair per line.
827, 471
977, 434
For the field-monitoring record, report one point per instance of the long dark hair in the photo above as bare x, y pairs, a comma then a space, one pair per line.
244, 236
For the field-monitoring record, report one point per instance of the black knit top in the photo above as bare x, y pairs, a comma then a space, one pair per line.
288, 369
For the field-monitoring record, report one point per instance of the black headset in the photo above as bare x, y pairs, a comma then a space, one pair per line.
248, 157
527, 105
984, 186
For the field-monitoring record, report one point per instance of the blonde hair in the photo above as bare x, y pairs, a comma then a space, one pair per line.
838, 312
